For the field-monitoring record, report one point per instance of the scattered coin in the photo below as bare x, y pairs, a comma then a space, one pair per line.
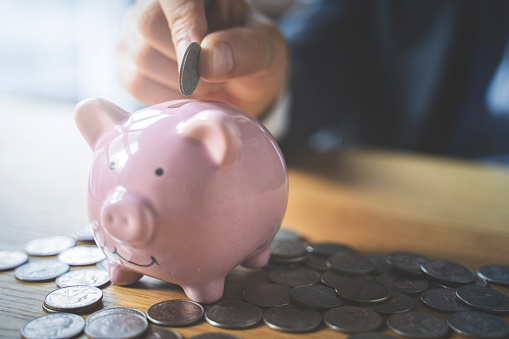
294, 276
350, 319
497, 274
287, 248
12, 259
189, 74
57, 325
87, 276
350, 263
74, 299
82, 255
479, 281
331, 278
161, 333
287, 233
483, 298
292, 318
478, 324
403, 284
447, 272
315, 262
84, 233
235, 315
178, 312
267, 295
442, 299
119, 322
406, 262
380, 263
47, 246
363, 291
103, 264
41, 270
314, 296
397, 302
413, 324
214, 335
371, 335
328, 248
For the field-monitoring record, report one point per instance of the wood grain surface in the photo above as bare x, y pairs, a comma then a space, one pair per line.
373, 200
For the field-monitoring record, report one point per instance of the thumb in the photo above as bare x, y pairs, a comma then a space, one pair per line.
187, 22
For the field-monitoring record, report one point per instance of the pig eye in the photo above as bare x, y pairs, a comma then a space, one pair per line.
159, 172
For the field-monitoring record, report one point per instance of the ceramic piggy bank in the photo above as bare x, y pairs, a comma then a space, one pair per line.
182, 191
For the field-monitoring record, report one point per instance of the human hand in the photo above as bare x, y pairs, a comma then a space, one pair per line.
243, 60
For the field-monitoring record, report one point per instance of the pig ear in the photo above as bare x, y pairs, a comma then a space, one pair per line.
94, 116
217, 132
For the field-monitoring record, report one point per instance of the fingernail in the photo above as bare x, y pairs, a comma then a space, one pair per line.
222, 59
181, 50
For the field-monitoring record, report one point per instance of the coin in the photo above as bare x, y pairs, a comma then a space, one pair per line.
267, 295
478, 324
234, 315
103, 264
380, 263
177, 312
331, 278
442, 299
287, 233
363, 291
314, 296
161, 333
328, 248
40, 270
119, 322
287, 248
403, 284
447, 272
292, 318
350, 263
46, 246
87, 276
189, 74
415, 324
84, 233
56, 325
82, 255
214, 335
74, 299
483, 298
315, 262
12, 259
497, 274
406, 262
371, 335
397, 302
350, 319
294, 276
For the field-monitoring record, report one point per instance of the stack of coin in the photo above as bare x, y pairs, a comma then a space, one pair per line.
74, 299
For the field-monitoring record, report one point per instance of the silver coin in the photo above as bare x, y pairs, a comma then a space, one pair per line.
82, 255
57, 325
12, 259
371, 335
287, 233
406, 262
380, 263
483, 298
267, 295
350, 263
294, 276
287, 248
292, 318
315, 262
414, 324
397, 302
328, 248
349, 319
497, 274
161, 333
120, 322
363, 291
314, 296
189, 74
286, 261
478, 325
442, 299
73, 298
46, 246
234, 315
103, 264
214, 335
40, 270
87, 276
84, 233
178, 312
331, 278
447, 272
403, 284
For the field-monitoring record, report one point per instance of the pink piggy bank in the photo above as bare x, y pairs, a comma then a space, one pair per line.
183, 191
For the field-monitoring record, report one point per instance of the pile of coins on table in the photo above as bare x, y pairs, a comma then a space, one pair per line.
309, 284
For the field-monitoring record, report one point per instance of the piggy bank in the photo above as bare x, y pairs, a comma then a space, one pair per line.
183, 191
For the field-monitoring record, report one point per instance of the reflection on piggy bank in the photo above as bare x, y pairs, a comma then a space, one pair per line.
182, 191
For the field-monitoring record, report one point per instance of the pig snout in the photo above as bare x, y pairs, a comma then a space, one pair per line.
128, 217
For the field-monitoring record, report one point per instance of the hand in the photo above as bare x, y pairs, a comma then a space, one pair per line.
243, 61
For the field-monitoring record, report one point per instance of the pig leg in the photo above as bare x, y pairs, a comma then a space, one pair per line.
206, 293
259, 259
121, 275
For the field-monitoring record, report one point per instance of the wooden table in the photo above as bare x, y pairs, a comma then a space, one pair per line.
373, 200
